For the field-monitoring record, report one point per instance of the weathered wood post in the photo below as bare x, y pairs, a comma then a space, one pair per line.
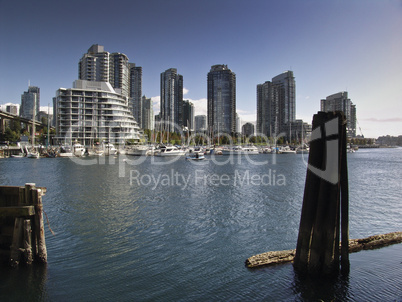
39, 228
317, 250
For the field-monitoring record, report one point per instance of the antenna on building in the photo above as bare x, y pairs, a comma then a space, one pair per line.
29, 83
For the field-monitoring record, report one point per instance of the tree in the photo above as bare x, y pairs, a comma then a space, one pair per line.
15, 125
11, 135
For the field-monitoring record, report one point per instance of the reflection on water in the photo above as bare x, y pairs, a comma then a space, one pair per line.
127, 240
334, 288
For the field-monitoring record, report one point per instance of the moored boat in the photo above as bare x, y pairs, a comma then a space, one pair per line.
140, 150
65, 151
170, 151
109, 149
78, 149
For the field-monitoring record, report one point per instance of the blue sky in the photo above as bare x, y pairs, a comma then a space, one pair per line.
331, 46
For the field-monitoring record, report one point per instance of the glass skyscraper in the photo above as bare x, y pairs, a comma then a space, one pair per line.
276, 105
28, 98
221, 100
171, 112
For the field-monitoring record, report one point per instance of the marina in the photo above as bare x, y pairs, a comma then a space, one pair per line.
163, 240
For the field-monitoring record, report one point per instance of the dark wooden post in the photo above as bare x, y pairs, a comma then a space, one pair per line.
344, 204
317, 250
39, 226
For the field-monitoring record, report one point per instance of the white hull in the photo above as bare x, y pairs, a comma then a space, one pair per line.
170, 151
66, 154
241, 151
33, 155
288, 152
95, 153
78, 150
138, 151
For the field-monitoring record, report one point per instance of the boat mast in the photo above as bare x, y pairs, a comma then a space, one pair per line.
47, 142
33, 122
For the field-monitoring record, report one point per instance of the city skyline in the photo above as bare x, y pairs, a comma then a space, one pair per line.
330, 46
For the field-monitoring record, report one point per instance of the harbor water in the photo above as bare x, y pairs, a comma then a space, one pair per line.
154, 229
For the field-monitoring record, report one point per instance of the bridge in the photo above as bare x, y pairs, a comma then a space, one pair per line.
6, 116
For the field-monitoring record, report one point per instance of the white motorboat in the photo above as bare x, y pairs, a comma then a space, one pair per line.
170, 151
65, 151
140, 150
239, 150
286, 150
251, 150
266, 150
78, 149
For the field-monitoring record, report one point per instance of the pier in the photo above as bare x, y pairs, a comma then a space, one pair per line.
22, 233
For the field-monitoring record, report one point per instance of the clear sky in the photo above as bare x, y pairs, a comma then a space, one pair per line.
331, 46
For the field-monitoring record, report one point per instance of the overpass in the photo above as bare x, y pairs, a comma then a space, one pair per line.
6, 116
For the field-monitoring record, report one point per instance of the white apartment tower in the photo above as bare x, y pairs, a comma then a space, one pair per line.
340, 102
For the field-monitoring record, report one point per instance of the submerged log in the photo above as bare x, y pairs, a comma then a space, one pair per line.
355, 245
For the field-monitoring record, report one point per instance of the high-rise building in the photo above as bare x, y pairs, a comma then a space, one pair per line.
94, 65
171, 112
147, 113
276, 105
119, 72
266, 111
13, 109
29, 100
92, 111
200, 123
188, 115
247, 129
135, 103
340, 102
221, 99
102, 66
238, 123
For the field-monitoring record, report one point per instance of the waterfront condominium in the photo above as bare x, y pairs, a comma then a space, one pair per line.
29, 100
276, 106
92, 112
340, 102
221, 100
171, 103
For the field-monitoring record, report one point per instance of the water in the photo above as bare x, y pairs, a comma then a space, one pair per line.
120, 235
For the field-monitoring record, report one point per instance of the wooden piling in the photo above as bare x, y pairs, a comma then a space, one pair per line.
39, 226
15, 252
22, 233
27, 242
317, 249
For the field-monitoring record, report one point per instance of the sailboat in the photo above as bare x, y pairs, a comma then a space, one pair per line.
33, 153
